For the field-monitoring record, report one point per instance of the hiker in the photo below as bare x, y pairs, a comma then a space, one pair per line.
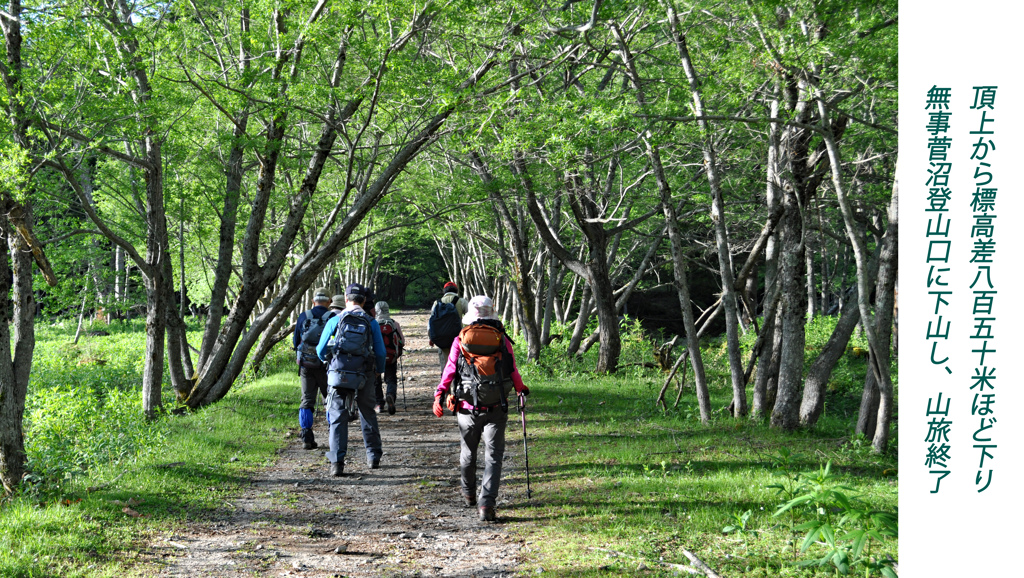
394, 343
369, 305
312, 372
482, 357
444, 323
351, 343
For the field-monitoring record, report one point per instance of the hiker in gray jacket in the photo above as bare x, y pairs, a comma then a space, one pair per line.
394, 343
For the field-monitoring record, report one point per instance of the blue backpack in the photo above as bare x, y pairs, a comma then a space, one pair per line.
351, 351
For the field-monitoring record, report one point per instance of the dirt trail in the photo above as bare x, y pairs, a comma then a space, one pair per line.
404, 519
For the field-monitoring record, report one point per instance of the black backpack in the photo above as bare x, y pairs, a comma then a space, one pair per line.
444, 324
351, 347
312, 329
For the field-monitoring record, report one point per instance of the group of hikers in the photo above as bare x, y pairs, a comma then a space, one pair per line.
345, 341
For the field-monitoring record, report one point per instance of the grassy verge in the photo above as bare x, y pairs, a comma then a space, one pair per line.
202, 458
621, 487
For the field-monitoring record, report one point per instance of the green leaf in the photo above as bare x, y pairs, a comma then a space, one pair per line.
809, 540
829, 535
842, 563
859, 538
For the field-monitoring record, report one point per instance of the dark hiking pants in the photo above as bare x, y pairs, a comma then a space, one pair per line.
488, 427
391, 378
313, 380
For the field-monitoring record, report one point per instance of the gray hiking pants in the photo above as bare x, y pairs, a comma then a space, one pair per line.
490, 427
337, 416
442, 356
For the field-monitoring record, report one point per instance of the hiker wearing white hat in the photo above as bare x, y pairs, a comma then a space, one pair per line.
481, 307
483, 358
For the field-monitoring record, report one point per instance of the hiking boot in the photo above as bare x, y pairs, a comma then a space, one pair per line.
308, 443
468, 497
390, 401
337, 469
487, 513
374, 463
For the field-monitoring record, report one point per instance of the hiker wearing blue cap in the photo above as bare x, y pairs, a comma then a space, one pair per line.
353, 348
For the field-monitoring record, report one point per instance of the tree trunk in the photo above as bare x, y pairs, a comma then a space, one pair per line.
785, 414
581, 321
226, 245
813, 402
809, 278
18, 247
739, 391
872, 410
157, 285
767, 365
14, 372
879, 353
607, 318
682, 285
520, 260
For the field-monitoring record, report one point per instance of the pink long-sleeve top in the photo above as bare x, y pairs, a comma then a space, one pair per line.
449, 372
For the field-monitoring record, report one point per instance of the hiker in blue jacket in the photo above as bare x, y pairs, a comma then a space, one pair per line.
351, 373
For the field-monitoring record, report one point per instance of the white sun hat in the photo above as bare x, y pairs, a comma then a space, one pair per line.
480, 307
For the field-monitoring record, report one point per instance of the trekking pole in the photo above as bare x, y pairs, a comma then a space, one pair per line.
526, 451
401, 364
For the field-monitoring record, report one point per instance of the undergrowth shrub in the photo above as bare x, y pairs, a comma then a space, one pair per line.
84, 405
638, 347
71, 430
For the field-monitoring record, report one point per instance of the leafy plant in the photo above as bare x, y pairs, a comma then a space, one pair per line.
739, 525
830, 511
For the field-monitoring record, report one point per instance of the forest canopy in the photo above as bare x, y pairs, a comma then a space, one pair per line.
708, 167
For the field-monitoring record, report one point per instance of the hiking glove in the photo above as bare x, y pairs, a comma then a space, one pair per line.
438, 410
525, 391
450, 403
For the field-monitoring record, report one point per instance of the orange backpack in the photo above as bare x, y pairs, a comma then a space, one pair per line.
484, 366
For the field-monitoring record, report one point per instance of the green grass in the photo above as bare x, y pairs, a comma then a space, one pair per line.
611, 472
75, 525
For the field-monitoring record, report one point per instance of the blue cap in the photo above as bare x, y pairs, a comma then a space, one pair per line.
355, 289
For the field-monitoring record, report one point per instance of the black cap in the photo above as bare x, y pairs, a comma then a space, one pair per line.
355, 289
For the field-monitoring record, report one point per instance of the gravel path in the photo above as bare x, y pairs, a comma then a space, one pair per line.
405, 519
